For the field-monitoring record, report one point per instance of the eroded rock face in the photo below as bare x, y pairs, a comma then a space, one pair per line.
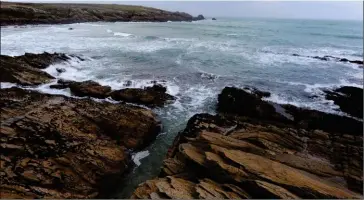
349, 99
25, 69
60, 147
149, 96
238, 154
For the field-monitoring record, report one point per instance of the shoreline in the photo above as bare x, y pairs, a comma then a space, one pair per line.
236, 108
53, 13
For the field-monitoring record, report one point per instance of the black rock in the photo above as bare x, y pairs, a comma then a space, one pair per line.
60, 70
199, 17
213, 18
349, 99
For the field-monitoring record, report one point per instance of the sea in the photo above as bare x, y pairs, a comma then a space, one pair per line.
195, 61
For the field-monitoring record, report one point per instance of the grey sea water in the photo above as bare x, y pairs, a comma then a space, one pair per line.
196, 60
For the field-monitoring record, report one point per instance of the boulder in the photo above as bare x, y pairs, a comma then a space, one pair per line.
90, 89
150, 96
349, 99
247, 103
58, 147
25, 69
199, 17
213, 18
246, 151
60, 70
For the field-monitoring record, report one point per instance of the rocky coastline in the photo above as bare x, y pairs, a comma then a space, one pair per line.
256, 149
48, 13
55, 146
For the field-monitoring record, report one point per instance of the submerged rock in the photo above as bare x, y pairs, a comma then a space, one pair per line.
25, 69
60, 70
58, 147
247, 152
349, 99
149, 96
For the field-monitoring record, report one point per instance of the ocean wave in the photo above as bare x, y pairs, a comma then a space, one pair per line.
151, 37
338, 36
122, 34
139, 156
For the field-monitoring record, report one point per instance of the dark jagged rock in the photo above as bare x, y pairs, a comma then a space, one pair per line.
349, 99
249, 153
38, 13
128, 83
149, 96
213, 18
90, 89
329, 58
258, 93
58, 147
199, 17
237, 101
60, 70
25, 69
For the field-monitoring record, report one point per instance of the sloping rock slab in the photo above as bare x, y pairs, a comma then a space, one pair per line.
60, 147
248, 152
349, 99
257, 161
25, 69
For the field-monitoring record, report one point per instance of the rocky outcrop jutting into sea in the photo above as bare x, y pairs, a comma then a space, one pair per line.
38, 13
256, 149
60, 147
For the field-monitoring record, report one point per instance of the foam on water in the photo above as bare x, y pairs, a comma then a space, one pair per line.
7, 85
122, 34
137, 157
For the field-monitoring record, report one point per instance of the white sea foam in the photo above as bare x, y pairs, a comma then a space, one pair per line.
139, 156
122, 34
4, 85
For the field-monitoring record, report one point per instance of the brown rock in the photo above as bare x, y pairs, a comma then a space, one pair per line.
89, 88
149, 96
60, 147
25, 69
248, 152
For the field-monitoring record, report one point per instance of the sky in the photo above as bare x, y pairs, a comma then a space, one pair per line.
342, 10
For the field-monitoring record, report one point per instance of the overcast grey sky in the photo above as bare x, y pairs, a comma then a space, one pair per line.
345, 10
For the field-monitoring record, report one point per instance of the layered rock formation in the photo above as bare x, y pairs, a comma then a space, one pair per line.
255, 149
26, 69
60, 147
37, 13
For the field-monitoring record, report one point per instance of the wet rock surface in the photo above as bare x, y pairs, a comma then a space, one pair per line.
26, 69
349, 99
89, 88
59, 147
38, 13
258, 153
332, 58
149, 96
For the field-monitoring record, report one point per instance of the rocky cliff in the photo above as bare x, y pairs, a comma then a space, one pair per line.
257, 149
37, 13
